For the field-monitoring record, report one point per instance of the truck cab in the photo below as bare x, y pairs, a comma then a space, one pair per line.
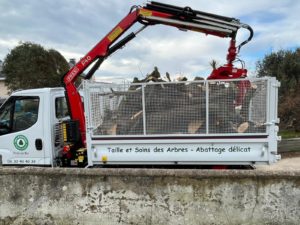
29, 127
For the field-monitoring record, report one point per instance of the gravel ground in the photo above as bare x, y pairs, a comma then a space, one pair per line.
289, 161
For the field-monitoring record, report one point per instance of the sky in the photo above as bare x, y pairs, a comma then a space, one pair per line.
73, 27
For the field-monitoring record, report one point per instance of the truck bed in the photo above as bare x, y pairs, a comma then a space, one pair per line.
209, 122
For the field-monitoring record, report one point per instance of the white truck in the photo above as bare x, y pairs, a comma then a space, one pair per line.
226, 119
190, 132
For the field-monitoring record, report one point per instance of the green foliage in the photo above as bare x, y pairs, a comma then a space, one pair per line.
289, 134
29, 65
285, 66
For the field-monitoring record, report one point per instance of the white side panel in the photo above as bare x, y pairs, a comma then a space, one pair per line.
218, 151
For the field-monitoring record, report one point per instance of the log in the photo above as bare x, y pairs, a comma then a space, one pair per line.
178, 108
246, 102
174, 120
195, 126
243, 127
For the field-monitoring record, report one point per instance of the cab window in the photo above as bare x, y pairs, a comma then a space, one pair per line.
18, 113
61, 108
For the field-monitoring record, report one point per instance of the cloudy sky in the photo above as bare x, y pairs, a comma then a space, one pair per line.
73, 27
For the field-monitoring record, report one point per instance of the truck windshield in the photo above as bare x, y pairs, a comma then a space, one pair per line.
18, 113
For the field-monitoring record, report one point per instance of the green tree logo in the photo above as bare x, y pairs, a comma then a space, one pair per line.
21, 142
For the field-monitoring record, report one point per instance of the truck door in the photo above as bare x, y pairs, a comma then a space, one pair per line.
21, 131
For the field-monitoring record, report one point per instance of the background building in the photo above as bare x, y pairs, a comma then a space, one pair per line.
3, 88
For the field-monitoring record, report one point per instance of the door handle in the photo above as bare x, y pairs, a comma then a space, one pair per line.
38, 144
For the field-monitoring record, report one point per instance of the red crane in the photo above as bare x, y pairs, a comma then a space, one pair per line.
183, 18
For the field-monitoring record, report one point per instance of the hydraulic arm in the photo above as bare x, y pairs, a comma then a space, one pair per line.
183, 18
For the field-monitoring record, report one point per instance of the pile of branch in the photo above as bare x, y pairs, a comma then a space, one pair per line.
178, 108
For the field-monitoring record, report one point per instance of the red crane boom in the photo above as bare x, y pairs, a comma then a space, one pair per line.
154, 13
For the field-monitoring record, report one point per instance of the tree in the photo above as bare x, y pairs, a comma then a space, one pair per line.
214, 64
285, 66
29, 65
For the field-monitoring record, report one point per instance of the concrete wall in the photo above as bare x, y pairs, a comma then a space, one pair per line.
148, 196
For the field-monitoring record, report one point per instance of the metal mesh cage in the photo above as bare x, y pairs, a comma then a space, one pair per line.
178, 108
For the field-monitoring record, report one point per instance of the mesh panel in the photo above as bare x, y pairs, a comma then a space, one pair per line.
179, 108
237, 107
175, 108
258, 113
222, 118
116, 109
